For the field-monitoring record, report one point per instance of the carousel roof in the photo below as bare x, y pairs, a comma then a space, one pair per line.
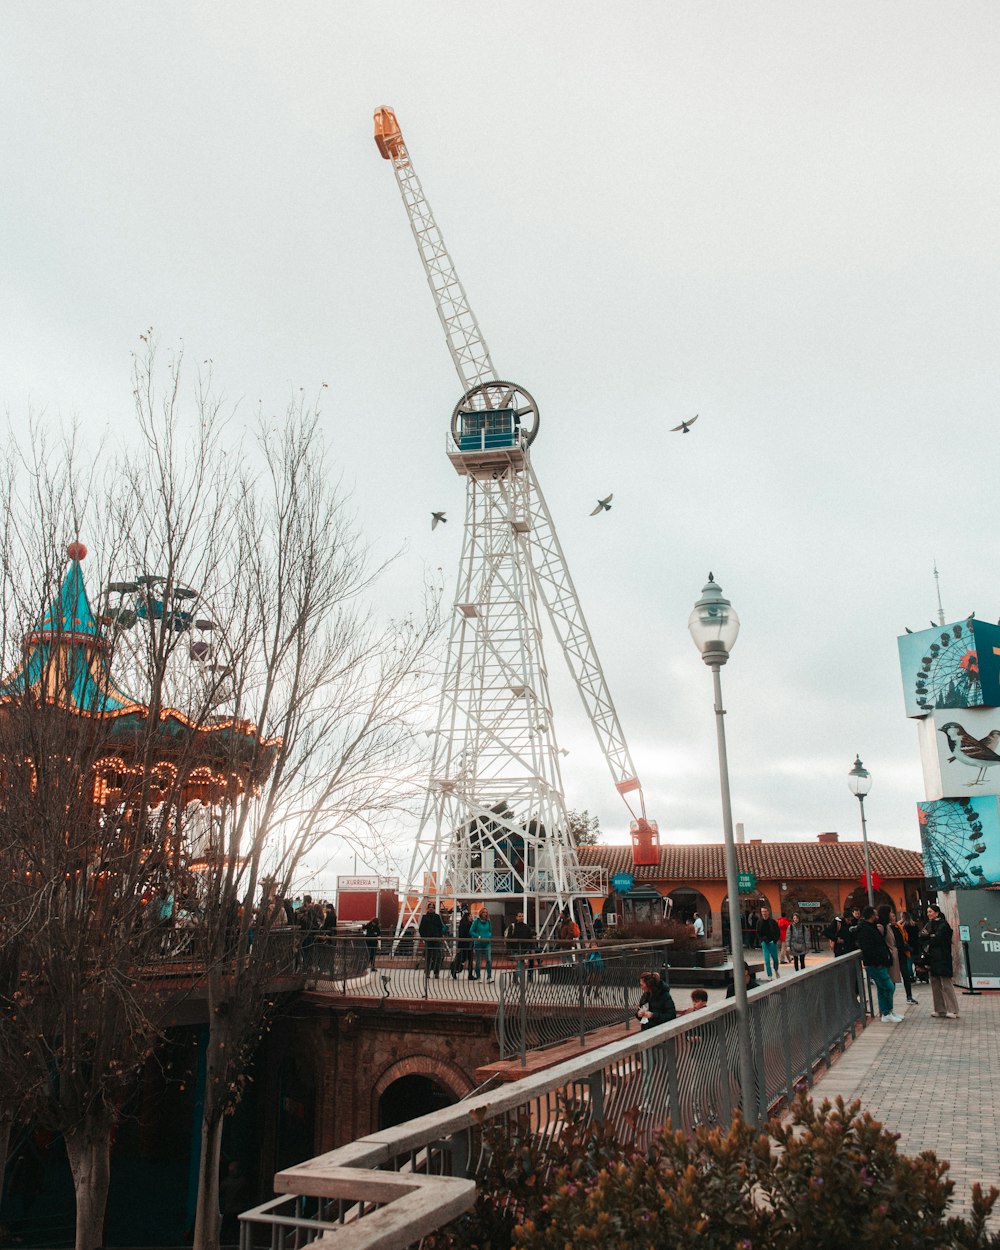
65, 657
66, 665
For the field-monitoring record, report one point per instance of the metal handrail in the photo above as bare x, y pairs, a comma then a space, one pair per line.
417, 1173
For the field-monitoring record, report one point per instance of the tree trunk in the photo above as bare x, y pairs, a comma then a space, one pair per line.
89, 1150
206, 1221
6, 1120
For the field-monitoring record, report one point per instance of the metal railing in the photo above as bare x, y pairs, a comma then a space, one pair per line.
387, 1190
542, 1004
553, 978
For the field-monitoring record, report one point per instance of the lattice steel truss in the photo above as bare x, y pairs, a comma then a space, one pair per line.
495, 826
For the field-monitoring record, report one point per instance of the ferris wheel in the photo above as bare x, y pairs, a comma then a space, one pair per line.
948, 675
495, 823
953, 841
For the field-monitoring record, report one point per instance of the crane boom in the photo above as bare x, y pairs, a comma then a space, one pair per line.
461, 329
550, 573
556, 589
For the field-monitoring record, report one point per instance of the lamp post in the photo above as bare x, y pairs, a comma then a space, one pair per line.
860, 781
714, 627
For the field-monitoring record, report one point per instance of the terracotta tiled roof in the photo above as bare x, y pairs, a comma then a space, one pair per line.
768, 861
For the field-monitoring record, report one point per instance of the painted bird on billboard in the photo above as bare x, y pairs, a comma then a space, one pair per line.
980, 753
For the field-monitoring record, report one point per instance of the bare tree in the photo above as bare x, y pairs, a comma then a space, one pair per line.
275, 711
331, 693
77, 1020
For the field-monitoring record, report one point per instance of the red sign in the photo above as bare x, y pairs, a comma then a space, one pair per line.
876, 880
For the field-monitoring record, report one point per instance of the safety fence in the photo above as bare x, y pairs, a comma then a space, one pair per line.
388, 1190
538, 985
541, 1004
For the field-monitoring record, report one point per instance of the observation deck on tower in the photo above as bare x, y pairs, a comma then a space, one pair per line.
482, 441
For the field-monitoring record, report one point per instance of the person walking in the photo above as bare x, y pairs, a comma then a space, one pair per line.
372, 931
936, 937
481, 932
432, 932
877, 959
797, 941
884, 925
783, 955
769, 935
594, 969
463, 946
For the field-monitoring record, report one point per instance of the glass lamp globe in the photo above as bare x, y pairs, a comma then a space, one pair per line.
713, 624
859, 779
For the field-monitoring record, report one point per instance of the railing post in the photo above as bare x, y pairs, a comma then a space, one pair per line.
523, 1002
596, 1083
673, 1088
580, 986
502, 1016
783, 999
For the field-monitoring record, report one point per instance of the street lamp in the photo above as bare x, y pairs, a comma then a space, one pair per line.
860, 781
715, 627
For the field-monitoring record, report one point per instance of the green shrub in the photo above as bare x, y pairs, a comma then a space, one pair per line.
827, 1176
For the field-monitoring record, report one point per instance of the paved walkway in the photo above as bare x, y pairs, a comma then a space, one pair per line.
935, 1082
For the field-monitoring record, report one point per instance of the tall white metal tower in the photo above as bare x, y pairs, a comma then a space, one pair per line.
494, 826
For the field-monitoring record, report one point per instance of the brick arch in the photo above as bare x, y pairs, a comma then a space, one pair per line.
447, 1075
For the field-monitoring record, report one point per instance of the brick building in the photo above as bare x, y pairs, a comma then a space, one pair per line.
817, 879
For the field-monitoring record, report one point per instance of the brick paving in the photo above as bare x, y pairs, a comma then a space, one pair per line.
934, 1082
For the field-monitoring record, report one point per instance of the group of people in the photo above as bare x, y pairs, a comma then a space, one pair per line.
892, 947
473, 950
783, 939
473, 942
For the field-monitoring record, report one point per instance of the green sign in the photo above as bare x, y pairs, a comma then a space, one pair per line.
746, 882
622, 882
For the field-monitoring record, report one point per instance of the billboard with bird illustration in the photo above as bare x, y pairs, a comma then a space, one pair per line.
960, 752
951, 666
960, 840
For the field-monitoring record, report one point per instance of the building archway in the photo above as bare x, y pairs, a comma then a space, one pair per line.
415, 1086
859, 898
685, 901
812, 904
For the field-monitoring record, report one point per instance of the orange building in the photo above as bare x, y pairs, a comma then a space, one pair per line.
817, 879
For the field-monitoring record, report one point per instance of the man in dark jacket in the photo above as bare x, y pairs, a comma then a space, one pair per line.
432, 931
463, 947
877, 959
769, 935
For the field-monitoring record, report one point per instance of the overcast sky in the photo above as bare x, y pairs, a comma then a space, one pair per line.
782, 216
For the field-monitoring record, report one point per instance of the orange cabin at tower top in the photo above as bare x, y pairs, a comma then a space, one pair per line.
388, 136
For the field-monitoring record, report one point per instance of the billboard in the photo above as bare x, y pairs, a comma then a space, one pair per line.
960, 752
960, 840
951, 666
979, 912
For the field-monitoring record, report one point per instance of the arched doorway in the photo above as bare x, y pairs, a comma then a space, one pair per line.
859, 898
749, 911
685, 902
410, 1096
812, 903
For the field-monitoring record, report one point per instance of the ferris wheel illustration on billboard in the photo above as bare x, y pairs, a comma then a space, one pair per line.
948, 674
953, 840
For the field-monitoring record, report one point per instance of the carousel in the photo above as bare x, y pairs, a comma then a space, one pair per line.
131, 754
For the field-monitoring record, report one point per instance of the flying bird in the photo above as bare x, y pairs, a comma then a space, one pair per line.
436, 517
978, 753
603, 505
684, 426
